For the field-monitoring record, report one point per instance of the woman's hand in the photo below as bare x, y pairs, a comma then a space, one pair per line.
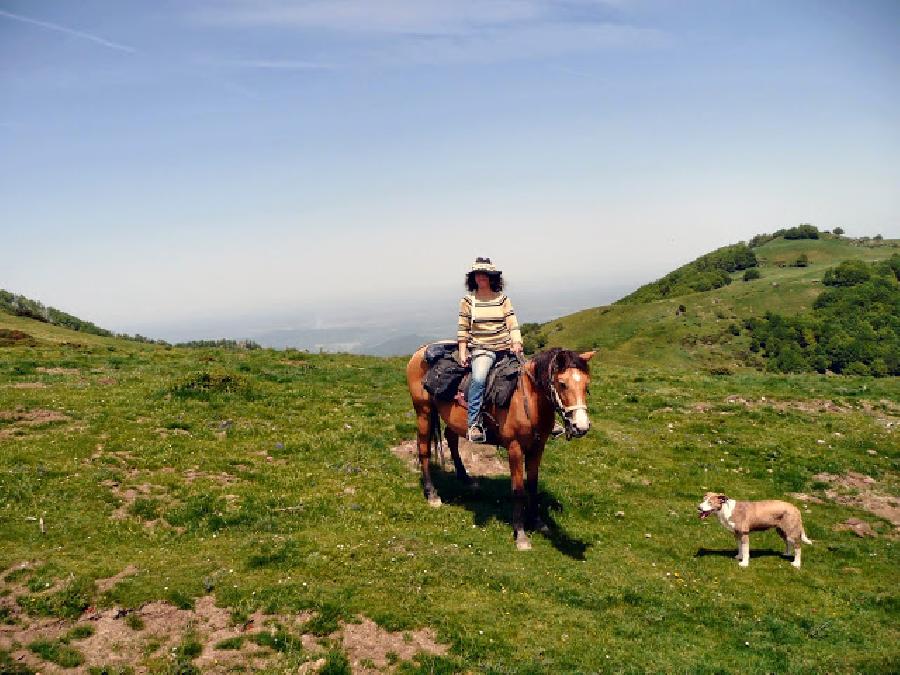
463, 356
517, 348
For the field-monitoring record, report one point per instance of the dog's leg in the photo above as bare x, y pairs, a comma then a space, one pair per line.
788, 545
796, 562
745, 550
737, 540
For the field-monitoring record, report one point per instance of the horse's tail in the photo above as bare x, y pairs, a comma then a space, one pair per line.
434, 425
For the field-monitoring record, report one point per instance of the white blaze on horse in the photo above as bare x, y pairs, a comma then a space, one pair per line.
554, 381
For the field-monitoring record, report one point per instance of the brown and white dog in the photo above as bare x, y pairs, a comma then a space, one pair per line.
742, 518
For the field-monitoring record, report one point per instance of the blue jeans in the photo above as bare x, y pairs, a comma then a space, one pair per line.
481, 360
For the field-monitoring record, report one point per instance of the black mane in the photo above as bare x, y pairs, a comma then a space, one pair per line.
556, 359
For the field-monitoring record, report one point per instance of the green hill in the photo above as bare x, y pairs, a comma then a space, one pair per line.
19, 305
707, 329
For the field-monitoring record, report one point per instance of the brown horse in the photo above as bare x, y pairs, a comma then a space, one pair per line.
554, 381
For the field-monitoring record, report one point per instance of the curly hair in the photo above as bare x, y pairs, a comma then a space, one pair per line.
496, 281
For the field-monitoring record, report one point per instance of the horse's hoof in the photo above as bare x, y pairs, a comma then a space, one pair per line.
434, 502
522, 544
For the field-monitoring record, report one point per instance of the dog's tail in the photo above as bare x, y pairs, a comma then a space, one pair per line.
804, 538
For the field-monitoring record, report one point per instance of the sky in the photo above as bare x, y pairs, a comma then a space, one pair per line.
196, 165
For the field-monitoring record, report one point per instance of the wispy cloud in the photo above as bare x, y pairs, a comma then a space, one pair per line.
442, 31
68, 31
368, 16
275, 64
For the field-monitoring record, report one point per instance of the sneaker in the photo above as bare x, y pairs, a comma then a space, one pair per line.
558, 430
476, 434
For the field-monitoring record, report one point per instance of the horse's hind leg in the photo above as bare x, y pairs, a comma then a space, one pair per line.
423, 443
461, 473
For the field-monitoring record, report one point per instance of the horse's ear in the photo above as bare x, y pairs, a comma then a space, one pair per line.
587, 355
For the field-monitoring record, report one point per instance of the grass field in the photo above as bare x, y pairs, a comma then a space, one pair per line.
261, 486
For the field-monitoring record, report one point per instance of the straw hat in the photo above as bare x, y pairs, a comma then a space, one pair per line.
484, 265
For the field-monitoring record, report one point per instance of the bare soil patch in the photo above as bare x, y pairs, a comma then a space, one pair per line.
480, 460
858, 490
104, 585
222, 478
18, 421
59, 371
29, 385
32, 417
368, 641
162, 627
801, 497
12, 338
859, 527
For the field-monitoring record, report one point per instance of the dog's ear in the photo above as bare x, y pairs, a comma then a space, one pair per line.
722, 498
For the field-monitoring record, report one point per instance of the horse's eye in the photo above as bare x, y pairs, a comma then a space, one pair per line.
562, 385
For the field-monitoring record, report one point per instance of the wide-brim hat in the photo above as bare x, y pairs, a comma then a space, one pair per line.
484, 265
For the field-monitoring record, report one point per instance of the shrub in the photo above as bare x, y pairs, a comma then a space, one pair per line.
838, 231
802, 231
848, 273
801, 261
751, 274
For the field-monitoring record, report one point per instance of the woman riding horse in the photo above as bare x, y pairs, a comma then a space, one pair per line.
553, 382
487, 328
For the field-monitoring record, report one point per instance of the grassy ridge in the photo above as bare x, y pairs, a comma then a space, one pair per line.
655, 331
271, 484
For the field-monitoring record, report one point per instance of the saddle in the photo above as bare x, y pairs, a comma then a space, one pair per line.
446, 377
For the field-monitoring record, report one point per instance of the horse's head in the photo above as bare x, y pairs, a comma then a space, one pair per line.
566, 377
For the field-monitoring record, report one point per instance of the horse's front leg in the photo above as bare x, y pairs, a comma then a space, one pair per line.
423, 441
516, 472
532, 466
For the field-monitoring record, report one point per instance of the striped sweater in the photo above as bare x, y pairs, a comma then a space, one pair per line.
488, 324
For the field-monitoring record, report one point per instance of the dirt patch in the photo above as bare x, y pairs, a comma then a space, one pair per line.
29, 385
368, 641
858, 490
144, 637
13, 338
885, 412
127, 496
859, 527
18, 421
479, 460
107, 381
166, 432
32, 417
801, 497
222, 478
104, 585
59, 371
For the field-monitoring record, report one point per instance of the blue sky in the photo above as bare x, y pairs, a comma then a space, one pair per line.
167, 163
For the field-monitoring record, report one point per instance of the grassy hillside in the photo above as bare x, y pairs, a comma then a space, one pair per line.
708, 333
171, 510
19, 305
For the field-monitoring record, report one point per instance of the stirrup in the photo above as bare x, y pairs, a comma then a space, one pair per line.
476, 434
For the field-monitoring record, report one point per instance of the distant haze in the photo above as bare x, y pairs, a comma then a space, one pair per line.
382, 328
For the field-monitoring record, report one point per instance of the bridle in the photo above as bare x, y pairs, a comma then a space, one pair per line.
566, 412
